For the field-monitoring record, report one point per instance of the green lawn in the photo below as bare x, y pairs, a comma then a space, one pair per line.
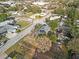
29, 14
53, 38
53, 24
3, 38
14, 57
38, 26
38, 17
3, 16
23, 23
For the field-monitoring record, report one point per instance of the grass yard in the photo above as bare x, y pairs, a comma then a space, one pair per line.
14, 57
38, 17
23, 23
15, 47
3, 16
29, 14
28, 49
38, 26
53, 24
3, 38
53, 38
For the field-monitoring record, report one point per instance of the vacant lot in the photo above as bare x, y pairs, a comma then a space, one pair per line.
25, 47
23, 23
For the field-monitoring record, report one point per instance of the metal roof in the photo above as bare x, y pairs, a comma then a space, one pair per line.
3, 30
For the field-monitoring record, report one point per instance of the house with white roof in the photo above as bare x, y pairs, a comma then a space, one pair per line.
8, 26
55, 17
6, 22
77, 22
11, 3
41, 3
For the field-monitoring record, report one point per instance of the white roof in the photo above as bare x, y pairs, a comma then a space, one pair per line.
61, 23
11, 30
2, 30
11, 27
54, 18
8, 2
40, 3
77, 20
13, 12
5, 22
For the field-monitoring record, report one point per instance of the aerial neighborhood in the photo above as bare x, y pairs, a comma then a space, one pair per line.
39, 29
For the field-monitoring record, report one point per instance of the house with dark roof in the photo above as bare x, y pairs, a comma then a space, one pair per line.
44, 29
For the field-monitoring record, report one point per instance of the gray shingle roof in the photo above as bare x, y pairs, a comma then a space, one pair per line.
3, 30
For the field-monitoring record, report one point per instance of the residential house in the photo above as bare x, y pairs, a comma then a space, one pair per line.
8, 26
6, 22
54, 17
77, 22
10, 18
44, 29
5, 5
41, 3
8, 3
3, 30
11, 28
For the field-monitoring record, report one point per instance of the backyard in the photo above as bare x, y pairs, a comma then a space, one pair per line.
24, 47
3, 16
53, 24
23, 23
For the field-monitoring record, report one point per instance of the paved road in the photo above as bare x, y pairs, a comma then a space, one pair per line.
28, 30
43, 19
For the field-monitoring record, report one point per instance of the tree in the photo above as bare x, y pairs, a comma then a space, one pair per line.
3, 16
72, 17
72, 13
